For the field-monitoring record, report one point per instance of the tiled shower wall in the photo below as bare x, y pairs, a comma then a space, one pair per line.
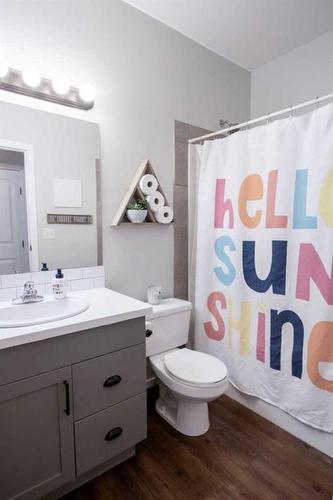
183, 132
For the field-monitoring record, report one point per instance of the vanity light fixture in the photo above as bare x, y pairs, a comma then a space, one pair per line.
30, 83
31, 77
87, 93
61, 85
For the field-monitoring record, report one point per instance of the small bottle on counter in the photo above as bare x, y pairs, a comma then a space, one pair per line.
59, 285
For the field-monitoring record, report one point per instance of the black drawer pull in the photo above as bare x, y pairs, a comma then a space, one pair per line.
68, 408
113, 433
149, 332
114, 380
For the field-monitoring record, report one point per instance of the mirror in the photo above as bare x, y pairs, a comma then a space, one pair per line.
49, 191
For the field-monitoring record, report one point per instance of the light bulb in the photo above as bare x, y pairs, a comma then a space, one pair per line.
61, 85
3, 67
87, 93
31, 77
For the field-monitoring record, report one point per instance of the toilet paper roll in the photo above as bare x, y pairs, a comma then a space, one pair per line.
148, 184
155, 201
164, 215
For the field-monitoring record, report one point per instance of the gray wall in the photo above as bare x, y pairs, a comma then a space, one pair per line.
146, 76
63, 148
298, 76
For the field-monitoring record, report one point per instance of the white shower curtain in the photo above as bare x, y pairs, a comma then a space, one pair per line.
264, 267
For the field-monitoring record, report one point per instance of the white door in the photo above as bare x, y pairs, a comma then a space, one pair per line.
14, 245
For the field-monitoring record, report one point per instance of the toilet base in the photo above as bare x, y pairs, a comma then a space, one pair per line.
185, 415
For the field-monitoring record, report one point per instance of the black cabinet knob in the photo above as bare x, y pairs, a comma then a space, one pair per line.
114, 380
149, 332
113, 433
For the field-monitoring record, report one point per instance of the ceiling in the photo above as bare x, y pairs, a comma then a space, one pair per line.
247, 32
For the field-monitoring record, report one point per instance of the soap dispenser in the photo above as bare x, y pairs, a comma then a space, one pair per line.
59, 285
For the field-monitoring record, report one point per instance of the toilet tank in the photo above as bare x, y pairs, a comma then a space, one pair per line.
169, 323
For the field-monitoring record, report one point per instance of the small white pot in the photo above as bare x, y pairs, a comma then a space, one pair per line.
136, 216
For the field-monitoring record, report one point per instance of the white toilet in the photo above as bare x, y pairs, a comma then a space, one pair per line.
188, 379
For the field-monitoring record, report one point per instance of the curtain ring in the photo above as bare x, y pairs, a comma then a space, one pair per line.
317, 103
267, 118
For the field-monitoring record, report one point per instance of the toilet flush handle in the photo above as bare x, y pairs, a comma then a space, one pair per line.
149, 332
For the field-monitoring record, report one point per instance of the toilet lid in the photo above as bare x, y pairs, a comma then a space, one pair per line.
195, 367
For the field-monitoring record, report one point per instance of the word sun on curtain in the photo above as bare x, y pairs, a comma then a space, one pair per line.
262, 240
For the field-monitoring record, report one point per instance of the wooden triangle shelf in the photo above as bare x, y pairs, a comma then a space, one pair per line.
134, 193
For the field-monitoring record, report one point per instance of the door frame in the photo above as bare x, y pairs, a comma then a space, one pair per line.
30, 188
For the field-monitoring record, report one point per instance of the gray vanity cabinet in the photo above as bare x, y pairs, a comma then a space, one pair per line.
36, 435
71, 407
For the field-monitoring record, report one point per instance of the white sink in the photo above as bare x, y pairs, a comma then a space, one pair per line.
36, 313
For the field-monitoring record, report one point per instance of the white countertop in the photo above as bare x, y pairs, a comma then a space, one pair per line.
106, 307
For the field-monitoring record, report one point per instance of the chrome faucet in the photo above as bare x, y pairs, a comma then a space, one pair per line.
30, 294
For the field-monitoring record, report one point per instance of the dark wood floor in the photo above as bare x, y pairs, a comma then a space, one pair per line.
243, 456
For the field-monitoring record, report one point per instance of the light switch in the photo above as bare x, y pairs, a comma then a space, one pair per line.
48, 233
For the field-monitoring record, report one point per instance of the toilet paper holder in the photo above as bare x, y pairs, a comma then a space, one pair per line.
154, 294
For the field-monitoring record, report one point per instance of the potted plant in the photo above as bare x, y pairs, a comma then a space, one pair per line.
137, 211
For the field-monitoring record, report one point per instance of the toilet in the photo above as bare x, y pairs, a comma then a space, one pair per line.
187, 379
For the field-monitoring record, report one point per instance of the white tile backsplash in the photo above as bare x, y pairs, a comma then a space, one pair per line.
73, 274
14, 280
11, 285
99, 282
84, 284
7, 293
43, 276
48, 288
93, 272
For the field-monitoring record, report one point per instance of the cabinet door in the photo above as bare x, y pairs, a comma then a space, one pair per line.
36, 435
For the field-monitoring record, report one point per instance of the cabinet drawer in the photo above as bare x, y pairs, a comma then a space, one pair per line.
57, 352
107, 380
104, 435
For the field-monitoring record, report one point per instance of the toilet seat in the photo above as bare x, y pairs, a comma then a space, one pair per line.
195, 368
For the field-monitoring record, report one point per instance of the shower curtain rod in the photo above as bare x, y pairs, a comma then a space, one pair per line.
316, 100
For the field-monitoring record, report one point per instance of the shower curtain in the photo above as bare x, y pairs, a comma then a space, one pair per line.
263, 247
